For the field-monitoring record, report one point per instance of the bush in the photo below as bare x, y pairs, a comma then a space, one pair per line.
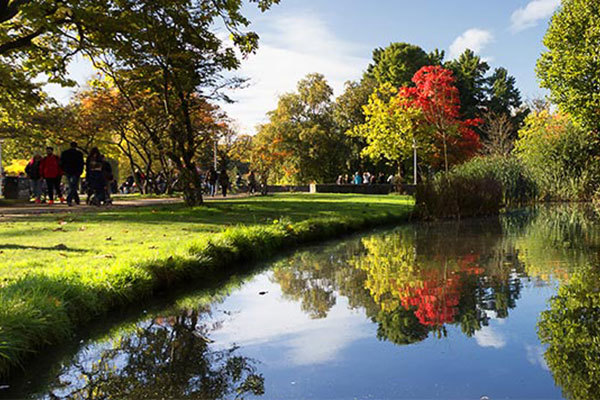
562, 156
455, 196
481, 186
518, 186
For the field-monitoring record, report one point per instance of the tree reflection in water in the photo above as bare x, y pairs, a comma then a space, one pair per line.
571, 329
167, 358
411, 281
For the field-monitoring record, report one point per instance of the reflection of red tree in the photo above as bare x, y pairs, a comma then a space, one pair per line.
437, 299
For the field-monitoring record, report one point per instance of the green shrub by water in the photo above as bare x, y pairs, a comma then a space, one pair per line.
41, 307
456, 196
481, 186
518, 186
563, 157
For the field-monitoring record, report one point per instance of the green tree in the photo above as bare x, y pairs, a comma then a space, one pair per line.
570, 329
562, 156
470, 79
397, 63
391, 127
301, 138
169, 50
169, 358
482, 94
570, 67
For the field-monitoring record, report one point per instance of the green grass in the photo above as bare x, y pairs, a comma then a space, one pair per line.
57, 272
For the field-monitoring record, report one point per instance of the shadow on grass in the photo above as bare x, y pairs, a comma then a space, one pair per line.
59, 247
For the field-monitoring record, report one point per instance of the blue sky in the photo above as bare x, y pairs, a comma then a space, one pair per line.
336, 38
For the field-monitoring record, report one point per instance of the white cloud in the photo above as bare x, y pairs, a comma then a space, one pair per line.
532, 13
290, 48
282, 324
487, 337
535, 356
474, 39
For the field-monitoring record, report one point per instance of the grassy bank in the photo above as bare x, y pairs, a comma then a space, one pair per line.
57, 272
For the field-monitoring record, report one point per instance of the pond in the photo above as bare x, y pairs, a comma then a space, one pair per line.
452, 310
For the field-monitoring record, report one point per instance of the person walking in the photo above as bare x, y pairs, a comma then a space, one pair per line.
212, 181
107, 174
35, 178
251, 183
95, 177
72, 164
51, 172
224, 181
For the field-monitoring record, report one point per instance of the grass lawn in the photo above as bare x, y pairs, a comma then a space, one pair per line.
59, 271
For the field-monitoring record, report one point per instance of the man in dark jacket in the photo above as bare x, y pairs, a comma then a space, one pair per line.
33, 173
71, 161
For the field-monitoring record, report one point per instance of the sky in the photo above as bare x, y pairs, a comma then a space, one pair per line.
336, 38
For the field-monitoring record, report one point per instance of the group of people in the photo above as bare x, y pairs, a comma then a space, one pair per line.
213, 180
365, 178
71, 164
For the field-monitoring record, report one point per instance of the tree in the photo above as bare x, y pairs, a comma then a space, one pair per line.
167, 49
34, 40
570, 68
179, 61
348, 112
470, 79
168, 358
481, 94
391, 128
498, 130
301, 138
562, 156
570, 330
397, 63
436, 95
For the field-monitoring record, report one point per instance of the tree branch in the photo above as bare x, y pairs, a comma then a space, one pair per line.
23, 41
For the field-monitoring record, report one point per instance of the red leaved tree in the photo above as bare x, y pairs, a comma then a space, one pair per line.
436, 95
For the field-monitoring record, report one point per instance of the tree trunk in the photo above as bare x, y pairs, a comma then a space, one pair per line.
445, 155
192, 186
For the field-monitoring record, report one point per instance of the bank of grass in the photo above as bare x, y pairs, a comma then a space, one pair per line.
57, 272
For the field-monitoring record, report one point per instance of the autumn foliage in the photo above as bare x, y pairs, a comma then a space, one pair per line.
437, 96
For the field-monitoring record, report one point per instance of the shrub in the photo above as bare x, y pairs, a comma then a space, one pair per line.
518, 186
562, 156
456, 196
481, 186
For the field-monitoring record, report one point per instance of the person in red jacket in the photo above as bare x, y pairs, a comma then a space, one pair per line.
50, 171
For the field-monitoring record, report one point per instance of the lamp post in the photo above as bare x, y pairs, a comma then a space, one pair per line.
414, 162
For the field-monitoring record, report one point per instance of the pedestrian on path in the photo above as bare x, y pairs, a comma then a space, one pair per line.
50, 171
212, 181
35, 178
251, 183
95, 177
224, 181
72, 163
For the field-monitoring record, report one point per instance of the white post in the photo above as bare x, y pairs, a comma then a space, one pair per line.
215, 154
414, 162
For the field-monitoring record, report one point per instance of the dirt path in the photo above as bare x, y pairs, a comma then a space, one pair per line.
30, 209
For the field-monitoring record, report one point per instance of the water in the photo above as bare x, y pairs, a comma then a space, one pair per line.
438, 311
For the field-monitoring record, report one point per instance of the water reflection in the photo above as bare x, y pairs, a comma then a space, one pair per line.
412, 281
571, 329
369, 300
166, 358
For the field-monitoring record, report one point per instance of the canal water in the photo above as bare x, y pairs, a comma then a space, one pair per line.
451, 310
